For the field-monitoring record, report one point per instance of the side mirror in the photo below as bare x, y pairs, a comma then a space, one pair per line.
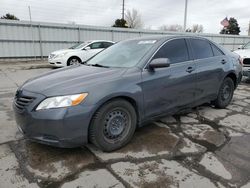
87, 48
240, 47
159, 63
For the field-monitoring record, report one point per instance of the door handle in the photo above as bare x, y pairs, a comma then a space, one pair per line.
190, 69
223, 61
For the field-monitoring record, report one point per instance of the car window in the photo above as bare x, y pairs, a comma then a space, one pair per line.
175, 50
96, 45
247, 46
106, 44
216, 51
201, 48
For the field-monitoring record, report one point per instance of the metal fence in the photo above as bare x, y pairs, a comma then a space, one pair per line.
21, 39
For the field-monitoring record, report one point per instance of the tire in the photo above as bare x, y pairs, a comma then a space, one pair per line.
73, 61
225, 94
113, 125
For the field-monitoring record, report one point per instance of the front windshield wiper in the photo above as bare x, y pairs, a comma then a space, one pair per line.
97, 65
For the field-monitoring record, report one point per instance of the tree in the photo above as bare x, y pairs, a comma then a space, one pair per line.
175, 27
120, 23
133, 19
232, 29
196, 28
9, 16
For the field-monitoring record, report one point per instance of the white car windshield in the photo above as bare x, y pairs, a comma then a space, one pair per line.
123, 54
247, 46
79, 46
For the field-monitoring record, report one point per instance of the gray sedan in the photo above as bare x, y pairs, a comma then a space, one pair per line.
124, 87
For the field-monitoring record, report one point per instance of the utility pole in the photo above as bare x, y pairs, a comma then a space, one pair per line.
123, 7
249, 29
185, 16
32, 34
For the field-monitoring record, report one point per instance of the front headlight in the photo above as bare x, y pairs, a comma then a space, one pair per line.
62, 101
60, 55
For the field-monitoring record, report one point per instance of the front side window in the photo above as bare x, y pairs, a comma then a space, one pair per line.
175, 50
107, 44
96, 45
201, 48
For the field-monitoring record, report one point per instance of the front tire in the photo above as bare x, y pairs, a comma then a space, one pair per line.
113, 125
225, 93
73, 61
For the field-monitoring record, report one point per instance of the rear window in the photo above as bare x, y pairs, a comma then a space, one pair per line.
201, 48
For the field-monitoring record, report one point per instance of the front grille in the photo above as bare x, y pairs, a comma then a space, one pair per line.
246, 61
22, 101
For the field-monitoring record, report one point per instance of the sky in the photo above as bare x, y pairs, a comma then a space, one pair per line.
154, 13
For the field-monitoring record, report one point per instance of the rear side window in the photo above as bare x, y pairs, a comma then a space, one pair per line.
216, 51
201, 48
107, 44
175, 50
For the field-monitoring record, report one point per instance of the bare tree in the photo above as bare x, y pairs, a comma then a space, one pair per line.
175, 27
196, 28
133, 19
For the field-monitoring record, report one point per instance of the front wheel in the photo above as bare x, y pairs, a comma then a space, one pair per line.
225, 93
113, 125
73, 61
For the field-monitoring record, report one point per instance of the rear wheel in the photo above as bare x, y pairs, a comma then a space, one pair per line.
113, 125
225, 93
73, 61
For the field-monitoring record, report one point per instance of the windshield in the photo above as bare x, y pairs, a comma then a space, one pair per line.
247, 46
122, 54
79, 46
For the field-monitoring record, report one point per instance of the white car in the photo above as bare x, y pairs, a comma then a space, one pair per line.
244, 53
78, 53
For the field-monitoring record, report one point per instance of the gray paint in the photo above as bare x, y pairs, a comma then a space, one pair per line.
155, 93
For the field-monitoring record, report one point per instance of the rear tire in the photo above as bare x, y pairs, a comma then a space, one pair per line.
225, 94
113, 125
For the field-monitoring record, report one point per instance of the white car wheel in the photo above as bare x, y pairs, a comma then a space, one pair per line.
73, 61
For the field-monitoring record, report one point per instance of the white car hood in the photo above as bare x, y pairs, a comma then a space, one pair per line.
63, 51
244, 53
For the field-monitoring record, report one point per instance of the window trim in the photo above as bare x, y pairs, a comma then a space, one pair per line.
145, 67
222, 53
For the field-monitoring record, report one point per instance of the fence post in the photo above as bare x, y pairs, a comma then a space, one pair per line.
40, 41
79, 34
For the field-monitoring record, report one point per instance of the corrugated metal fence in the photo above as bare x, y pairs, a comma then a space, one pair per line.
21, 39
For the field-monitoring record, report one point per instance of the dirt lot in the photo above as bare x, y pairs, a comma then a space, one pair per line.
204, 148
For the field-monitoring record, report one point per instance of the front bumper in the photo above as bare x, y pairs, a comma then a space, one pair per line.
57, 62
246, 71
62, 127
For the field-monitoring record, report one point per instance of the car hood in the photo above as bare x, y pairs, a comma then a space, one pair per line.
243, 53
71, 80
63, 51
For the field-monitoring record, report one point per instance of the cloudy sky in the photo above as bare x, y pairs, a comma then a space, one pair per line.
154, 13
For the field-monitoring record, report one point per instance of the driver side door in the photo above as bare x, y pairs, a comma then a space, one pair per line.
171, 88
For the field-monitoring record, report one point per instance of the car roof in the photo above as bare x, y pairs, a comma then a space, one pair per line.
91, 41
166, 37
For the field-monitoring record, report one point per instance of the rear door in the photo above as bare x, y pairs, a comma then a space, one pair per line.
209, 61
169, 89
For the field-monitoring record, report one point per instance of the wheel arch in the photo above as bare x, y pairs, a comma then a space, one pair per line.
233, 76
127, 98
73, 56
